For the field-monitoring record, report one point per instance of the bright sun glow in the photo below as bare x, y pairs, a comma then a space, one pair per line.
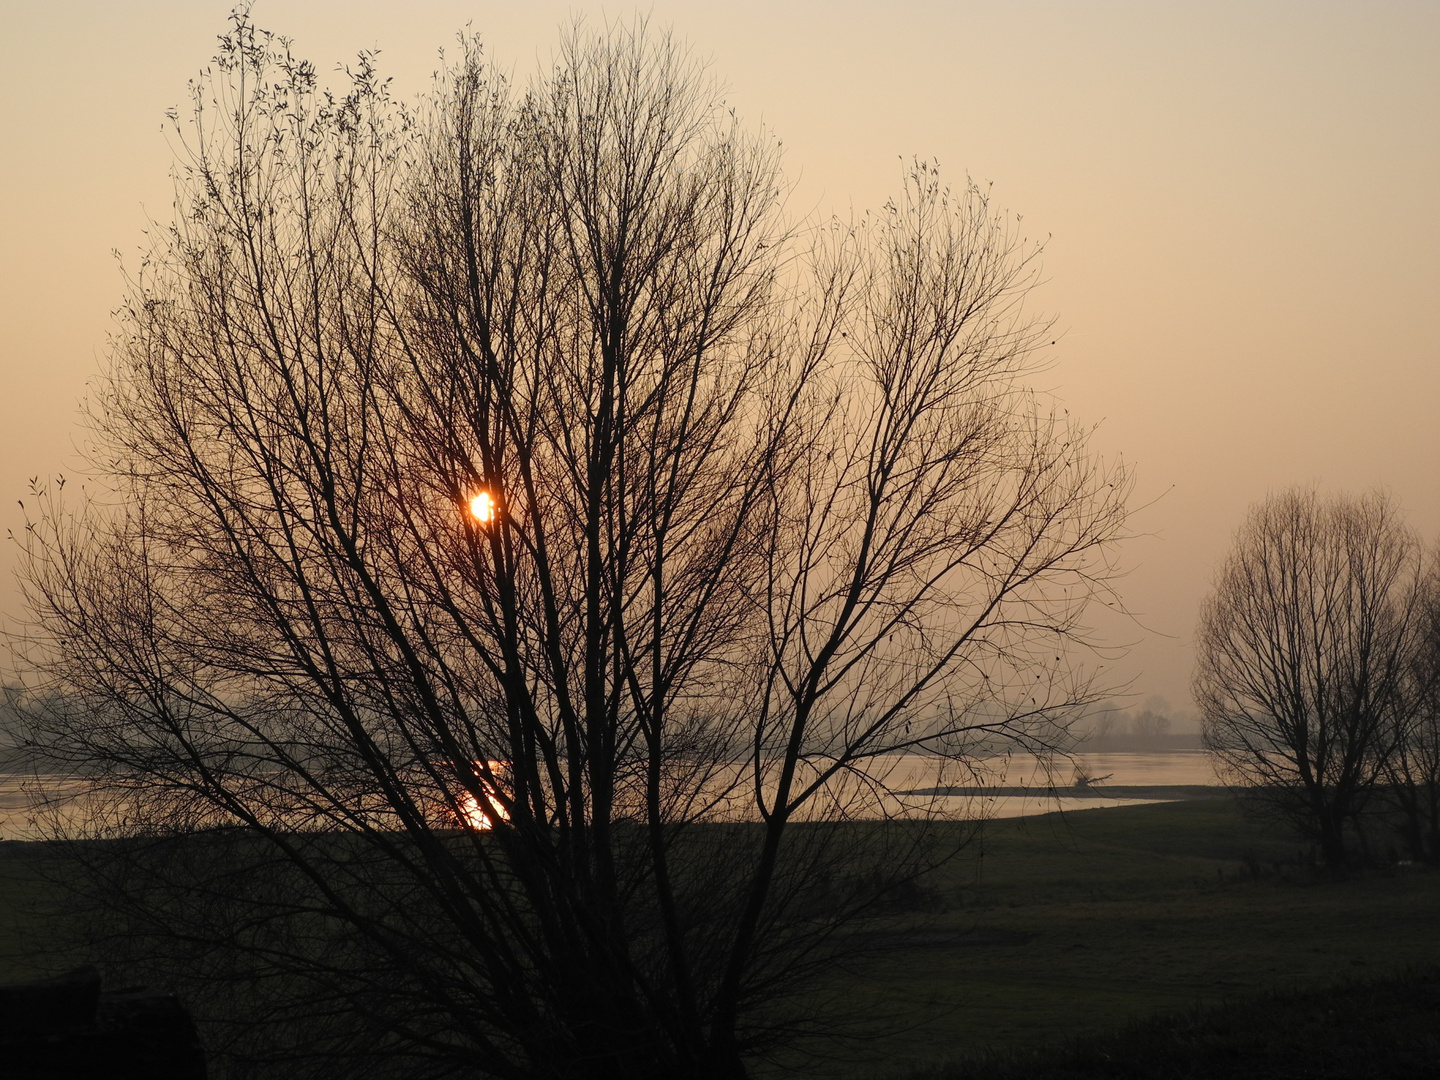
482, 506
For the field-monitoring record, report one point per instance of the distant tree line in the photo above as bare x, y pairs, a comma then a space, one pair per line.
1154, 726
1318, 672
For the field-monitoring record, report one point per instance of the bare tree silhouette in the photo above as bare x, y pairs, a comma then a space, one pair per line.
1303, 650
557, 787
1413, 770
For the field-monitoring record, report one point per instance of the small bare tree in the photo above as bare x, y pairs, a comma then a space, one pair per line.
1302, 655
1413, 770
519, 555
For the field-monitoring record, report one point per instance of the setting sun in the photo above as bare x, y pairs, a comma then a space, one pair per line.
482, 508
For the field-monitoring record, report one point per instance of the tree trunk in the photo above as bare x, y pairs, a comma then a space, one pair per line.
1332, 841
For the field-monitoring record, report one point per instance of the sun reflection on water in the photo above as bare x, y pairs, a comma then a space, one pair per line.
473, 813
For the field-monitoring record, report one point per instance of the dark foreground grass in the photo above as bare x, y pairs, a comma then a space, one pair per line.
1058, 933
1373, 1030
1070, 928
38, 938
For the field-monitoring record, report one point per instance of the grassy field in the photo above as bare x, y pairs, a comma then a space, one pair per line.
1055, 929
35, 939
1072, 927
1382, 1029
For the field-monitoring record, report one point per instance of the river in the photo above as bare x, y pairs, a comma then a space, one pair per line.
1019, 786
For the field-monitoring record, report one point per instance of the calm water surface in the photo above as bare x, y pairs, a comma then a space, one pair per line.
1177, 768
900, 773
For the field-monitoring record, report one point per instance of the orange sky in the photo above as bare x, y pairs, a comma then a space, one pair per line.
1243, 199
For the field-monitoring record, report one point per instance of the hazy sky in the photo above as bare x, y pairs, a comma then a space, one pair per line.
1243, 200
